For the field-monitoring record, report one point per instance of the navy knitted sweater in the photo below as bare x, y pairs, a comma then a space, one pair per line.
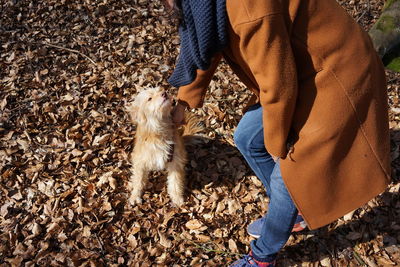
202, 34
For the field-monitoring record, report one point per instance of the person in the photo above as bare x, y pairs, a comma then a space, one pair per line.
316, 128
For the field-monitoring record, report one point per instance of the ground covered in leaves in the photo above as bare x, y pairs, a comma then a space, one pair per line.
67, 68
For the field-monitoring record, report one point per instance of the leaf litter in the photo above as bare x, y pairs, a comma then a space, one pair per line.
67, 69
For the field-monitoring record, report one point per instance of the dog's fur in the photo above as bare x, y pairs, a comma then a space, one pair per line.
159, 144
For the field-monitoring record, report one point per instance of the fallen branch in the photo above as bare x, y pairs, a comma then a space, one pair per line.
206, 249
69, 50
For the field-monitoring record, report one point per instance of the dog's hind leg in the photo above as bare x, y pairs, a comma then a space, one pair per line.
136, 184
176, 182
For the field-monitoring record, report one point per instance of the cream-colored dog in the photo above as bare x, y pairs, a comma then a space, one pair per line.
158, 144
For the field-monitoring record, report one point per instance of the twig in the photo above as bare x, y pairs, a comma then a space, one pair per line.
220, 100
365, 12
70, 50
362, 15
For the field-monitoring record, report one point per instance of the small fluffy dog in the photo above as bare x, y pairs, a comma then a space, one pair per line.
159, 144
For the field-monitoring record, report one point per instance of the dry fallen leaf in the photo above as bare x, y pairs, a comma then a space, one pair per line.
164, 241
353, 236
232, 245
193, 224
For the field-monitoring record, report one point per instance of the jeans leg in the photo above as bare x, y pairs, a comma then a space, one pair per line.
249, 139
279, 221
282, 213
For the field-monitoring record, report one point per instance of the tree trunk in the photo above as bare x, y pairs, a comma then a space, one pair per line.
385, 35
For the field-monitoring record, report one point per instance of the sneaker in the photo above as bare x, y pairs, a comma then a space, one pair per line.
249, 261
254, 229
299, 224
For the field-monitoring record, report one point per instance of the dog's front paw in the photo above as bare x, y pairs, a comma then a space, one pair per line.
134, 200
177, 200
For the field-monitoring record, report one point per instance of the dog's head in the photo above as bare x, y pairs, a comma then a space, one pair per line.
152, 104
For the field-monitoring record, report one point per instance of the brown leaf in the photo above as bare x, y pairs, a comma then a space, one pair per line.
164, 241
353, 236
232, 246
193, 224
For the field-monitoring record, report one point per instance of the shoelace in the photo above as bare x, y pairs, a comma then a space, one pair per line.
252, 262
249, 259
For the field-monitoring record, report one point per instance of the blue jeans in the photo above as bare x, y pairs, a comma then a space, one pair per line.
282, 212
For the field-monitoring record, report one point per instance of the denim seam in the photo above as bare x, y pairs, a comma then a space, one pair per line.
256, 162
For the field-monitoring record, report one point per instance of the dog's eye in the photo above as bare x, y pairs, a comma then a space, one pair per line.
149, 99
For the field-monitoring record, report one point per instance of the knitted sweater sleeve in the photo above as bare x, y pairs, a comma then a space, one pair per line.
266, 48
193, 94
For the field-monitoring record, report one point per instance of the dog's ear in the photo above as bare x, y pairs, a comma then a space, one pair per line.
135, 111
132, 108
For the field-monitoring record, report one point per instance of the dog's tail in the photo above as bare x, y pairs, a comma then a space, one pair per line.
193, 129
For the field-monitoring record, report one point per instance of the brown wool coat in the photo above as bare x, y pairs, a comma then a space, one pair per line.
323, 92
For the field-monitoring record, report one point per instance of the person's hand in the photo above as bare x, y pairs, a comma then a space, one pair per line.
178, 114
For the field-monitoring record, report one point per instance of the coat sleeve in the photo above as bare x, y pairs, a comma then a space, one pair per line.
266, 48
193, 94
